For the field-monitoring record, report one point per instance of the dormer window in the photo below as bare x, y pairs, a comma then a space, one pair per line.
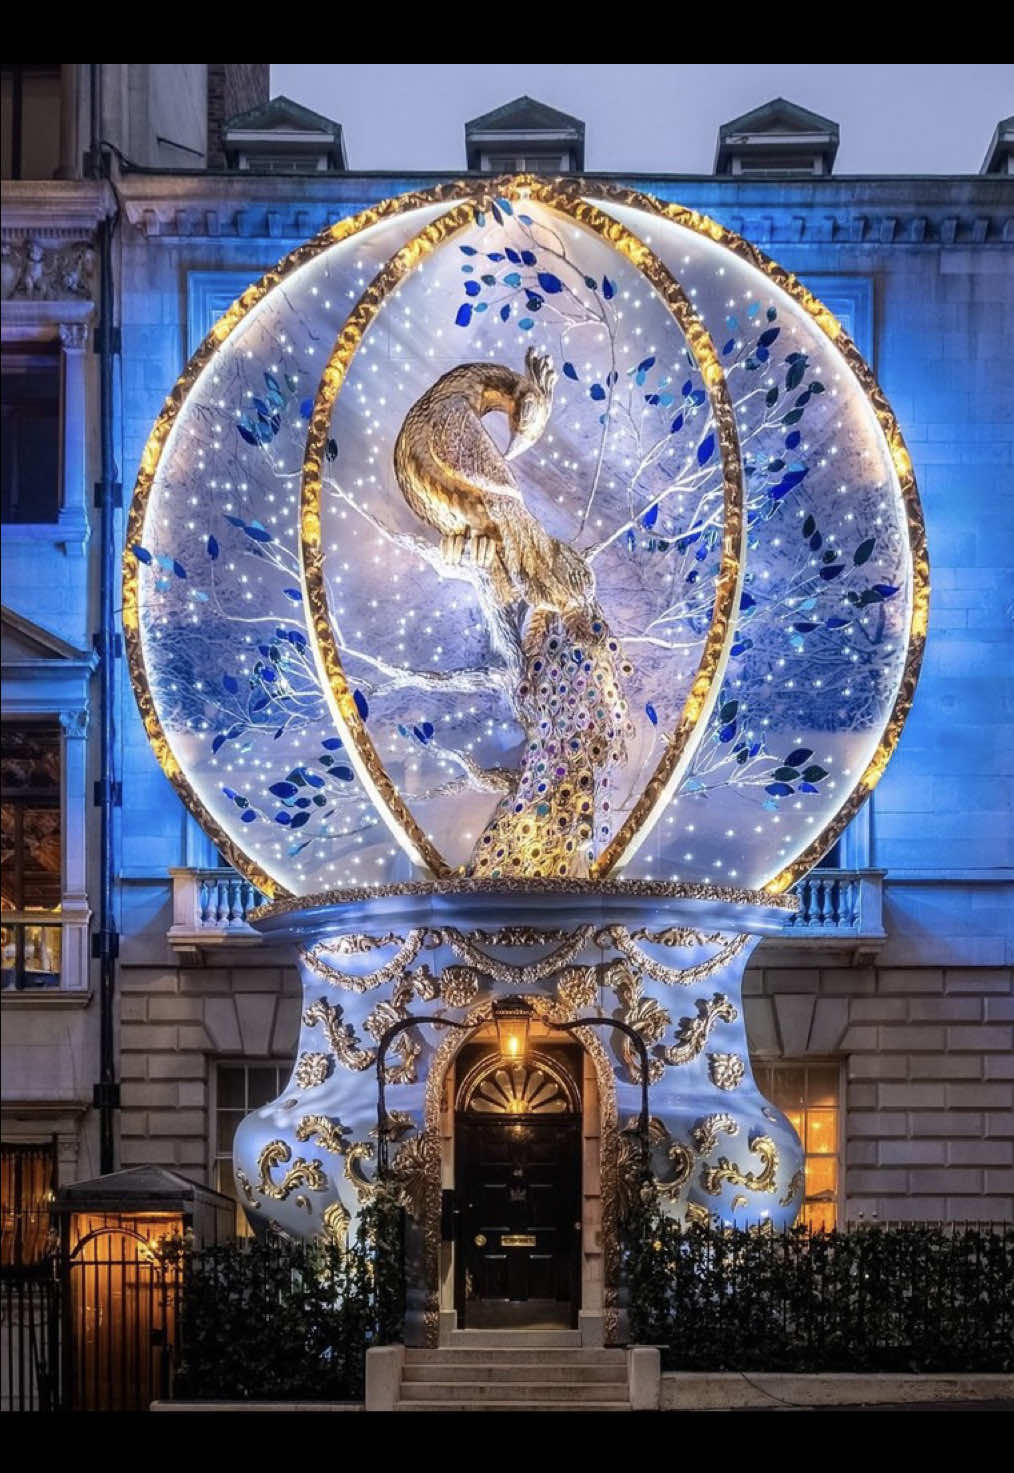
777, 140
282, 137
525, 137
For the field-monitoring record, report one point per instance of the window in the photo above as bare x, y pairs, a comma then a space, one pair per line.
810, 1095
240, 1088
30, 106
32, 431
526, 163
31, 879
27, 1185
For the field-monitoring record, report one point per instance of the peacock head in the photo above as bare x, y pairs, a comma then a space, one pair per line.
533, 402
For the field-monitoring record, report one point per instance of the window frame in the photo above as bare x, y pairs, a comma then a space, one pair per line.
772, 1062
283, 1070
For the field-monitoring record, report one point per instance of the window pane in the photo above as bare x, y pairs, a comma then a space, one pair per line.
822, 1176
263, 1086
822, 1130
787, 1088
228, 1123
822, 1086
231, 1087
820, 1217
30, 446
795, 1119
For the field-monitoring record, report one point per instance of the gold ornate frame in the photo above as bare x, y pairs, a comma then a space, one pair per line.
568, 200
581, 192
609, 1163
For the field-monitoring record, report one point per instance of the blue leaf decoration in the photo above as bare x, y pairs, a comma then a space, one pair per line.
886, 590
570, 371
645, 364
331, 744
258, 533
506, 206
212, 548
608, 289
361, 704
343, 774
179, 569
513, 256
298, 820
526, 324
141, 553
528, 258
467, 250
864, 551
513, 278
248, 815
283, 790
505, 312
706, 449
464, 316
597, 392
676, 425
778, 790
650, 517
231, 684
651, 713
798, 756
549, 283
283, 816
472, 288
217, 743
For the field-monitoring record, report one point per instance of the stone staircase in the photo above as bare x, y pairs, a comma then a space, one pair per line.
514, 1371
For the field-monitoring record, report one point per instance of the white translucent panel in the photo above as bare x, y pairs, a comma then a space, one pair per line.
222, 625
820, 641
626, 471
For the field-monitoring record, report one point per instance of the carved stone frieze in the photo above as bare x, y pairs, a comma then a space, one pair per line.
31, 270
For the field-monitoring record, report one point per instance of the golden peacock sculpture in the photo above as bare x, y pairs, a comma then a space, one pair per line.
454, 477
570, 697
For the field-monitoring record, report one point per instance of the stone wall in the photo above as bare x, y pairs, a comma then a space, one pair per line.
928, 1071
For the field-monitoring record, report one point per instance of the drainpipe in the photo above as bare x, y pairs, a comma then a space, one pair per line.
105, 940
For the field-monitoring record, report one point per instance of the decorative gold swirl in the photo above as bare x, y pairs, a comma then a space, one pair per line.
793, 1190
706, 1132
527, 975
726, 1070
328, 1134
337, 1222
692, 1033
300, 1174
624, 942
312, 1069
341, 1036
763, 1146
407, 952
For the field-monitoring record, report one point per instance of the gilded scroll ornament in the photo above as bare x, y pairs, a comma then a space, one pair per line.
301, 1173
328, 1134
697, 1215
692, 1033
624, 942
337, 1222
509, 974
726, 1070
405, 1072
341, 1036
459, 986
391, 971
365, 1187
413, 1165
245, 1187
763, 1146
706, 1132
577, 988
793, 1190
312, 1069
645, 1014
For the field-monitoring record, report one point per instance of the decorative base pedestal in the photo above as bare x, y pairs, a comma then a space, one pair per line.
666, 961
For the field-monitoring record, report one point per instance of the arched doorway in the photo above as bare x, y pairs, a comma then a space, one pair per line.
518, 1158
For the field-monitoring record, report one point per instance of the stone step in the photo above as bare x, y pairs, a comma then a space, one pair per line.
514, 1339
532, 1405
495, 1355
510, 1391
467, 1373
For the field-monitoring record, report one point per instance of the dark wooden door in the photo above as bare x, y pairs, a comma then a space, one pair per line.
519, 1193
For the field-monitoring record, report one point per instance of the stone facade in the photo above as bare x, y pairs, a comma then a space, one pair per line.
919, 1017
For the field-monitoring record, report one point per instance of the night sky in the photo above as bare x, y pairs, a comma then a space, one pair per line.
894, 119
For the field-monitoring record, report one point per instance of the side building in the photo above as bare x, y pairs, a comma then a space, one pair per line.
880, 1020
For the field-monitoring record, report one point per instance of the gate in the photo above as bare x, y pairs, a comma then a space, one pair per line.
119, 1326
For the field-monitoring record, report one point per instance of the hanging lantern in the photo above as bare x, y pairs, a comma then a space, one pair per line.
513, 1018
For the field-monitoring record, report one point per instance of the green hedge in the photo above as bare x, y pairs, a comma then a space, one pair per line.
273, 1319
911, 1297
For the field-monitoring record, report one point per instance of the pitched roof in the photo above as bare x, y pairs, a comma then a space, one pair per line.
137, 1187
782, 115
999, 147
525, 115
282, 112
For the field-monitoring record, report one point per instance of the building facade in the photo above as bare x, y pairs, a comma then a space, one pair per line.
879, 1020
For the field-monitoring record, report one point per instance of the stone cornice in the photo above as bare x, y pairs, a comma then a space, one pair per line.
54, 209
876, 211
